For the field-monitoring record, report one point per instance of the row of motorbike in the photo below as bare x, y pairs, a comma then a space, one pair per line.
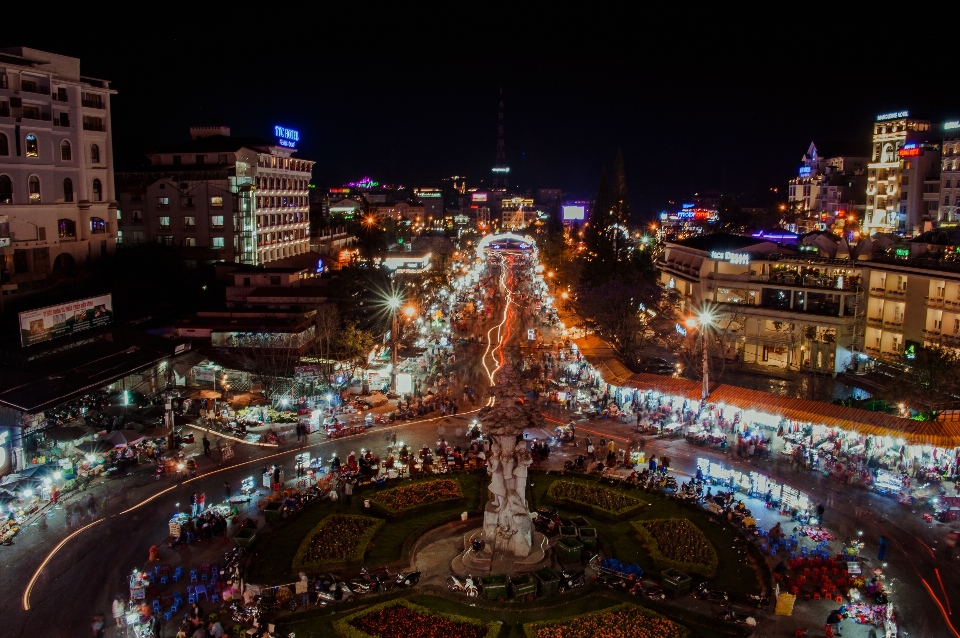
472, 589
331, 589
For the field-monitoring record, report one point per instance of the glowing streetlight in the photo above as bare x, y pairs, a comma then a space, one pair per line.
704, 320
409, 311
394, 302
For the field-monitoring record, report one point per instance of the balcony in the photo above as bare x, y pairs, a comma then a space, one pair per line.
896, 294
93, 103
877, 292
954, 305
33, 87
36, 115
935, 302
953, 340
932, 335
893, 325
94, 126
876, 322
872, 350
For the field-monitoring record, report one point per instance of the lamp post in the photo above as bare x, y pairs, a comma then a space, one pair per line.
394, 303
703, 321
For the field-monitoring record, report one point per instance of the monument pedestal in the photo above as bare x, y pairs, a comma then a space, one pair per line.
500, 562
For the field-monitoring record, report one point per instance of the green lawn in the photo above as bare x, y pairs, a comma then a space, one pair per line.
274, 550
619, 540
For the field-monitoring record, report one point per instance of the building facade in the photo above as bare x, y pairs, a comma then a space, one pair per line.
220, 198
772, 305
57, 204
903, 158
825, 188
950, 172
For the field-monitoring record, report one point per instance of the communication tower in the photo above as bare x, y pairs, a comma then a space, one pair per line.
500, 168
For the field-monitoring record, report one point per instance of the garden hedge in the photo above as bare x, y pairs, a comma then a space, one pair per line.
383, 501
355, 556
621, 621
663, 561
575, 495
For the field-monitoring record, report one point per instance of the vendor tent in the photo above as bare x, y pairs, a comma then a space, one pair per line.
10, 479
40, 471
123, 438
156, 433
67, 433
95, 447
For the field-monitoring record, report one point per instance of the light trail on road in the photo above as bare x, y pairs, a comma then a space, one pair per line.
498, 328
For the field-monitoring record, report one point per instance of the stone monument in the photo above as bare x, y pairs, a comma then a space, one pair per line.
507, 526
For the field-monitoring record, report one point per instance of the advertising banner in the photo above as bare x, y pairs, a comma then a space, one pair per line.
51, 322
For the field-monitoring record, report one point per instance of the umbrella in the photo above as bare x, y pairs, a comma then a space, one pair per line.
123, 438
67, 433
95, 447
157, 432
536, 434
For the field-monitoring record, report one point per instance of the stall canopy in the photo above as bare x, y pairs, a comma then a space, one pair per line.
95, 447
156, 433
603, 357
666, 385
67, 433
123, 438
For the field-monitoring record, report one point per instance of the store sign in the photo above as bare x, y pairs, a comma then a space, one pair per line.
531, 334
738, 259
681, 330
805, 171
499, 169
208, 375
479, 197
287, 137
51, 322
949, 126
892, 116
404, 383
909, 150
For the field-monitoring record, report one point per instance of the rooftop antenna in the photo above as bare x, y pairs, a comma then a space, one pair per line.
500, 168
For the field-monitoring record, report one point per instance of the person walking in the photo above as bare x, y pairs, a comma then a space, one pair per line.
833, 623
202, 502
348, 492
92, 506
119, 609
206, 446
193, 505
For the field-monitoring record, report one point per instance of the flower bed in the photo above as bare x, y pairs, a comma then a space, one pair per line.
595, 498
622, 621
678, 543
336, 540
402, 619
403, 500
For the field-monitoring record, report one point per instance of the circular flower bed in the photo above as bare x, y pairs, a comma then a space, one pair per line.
622, 621
408, 497
403, 619
597, 497
339, 538
678, 543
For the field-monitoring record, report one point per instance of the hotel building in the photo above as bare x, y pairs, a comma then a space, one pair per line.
57, 208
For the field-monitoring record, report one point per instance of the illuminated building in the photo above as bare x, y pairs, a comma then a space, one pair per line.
950, 173
825, 186
57, 203
221, 198
689, 221
902, 159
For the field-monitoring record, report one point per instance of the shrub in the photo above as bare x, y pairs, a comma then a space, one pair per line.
679, 544
623, 621
599, 499
408, 498
338, 539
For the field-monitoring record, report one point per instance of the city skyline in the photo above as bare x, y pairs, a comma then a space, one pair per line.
415, 118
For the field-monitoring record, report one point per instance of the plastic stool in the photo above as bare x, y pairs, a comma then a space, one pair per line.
156, 607
839, 599
215, 596
177, 575
163, 579
793, 554
167, 616
192, 597
773, 552
816, 595
193, 576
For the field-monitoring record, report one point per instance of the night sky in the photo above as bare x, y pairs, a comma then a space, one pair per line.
409, 106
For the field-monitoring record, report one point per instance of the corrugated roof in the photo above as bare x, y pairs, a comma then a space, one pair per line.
666, 385
603, 357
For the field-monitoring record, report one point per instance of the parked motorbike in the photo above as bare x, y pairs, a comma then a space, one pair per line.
547, 521
727, 614
712, 595
465, 586
759, 601
407, 579
572, 580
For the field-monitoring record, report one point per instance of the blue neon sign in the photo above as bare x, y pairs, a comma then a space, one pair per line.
805, 171
287, 137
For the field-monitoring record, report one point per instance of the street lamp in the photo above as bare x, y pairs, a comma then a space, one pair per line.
394, 304
704, 321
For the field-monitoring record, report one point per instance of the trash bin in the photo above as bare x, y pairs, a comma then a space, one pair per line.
588, 536
523, 587
272, 511
548, 580
675, 582
568, 531
569, 550
246, 537
494, 587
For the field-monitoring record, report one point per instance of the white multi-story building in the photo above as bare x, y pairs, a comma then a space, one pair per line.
57, 208
221, 198
902, 159
950, 172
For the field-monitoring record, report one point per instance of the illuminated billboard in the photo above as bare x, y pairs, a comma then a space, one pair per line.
287, 137
574, 213
51, 322
479, 197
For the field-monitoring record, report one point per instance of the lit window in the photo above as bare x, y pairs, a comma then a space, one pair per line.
137, 217
67, 228
33, 186
119, 215
189, 241
216, 202
216, 221
33, 149
97, 226
163, 201
119, 236
189, 222
218, 242
164, 222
